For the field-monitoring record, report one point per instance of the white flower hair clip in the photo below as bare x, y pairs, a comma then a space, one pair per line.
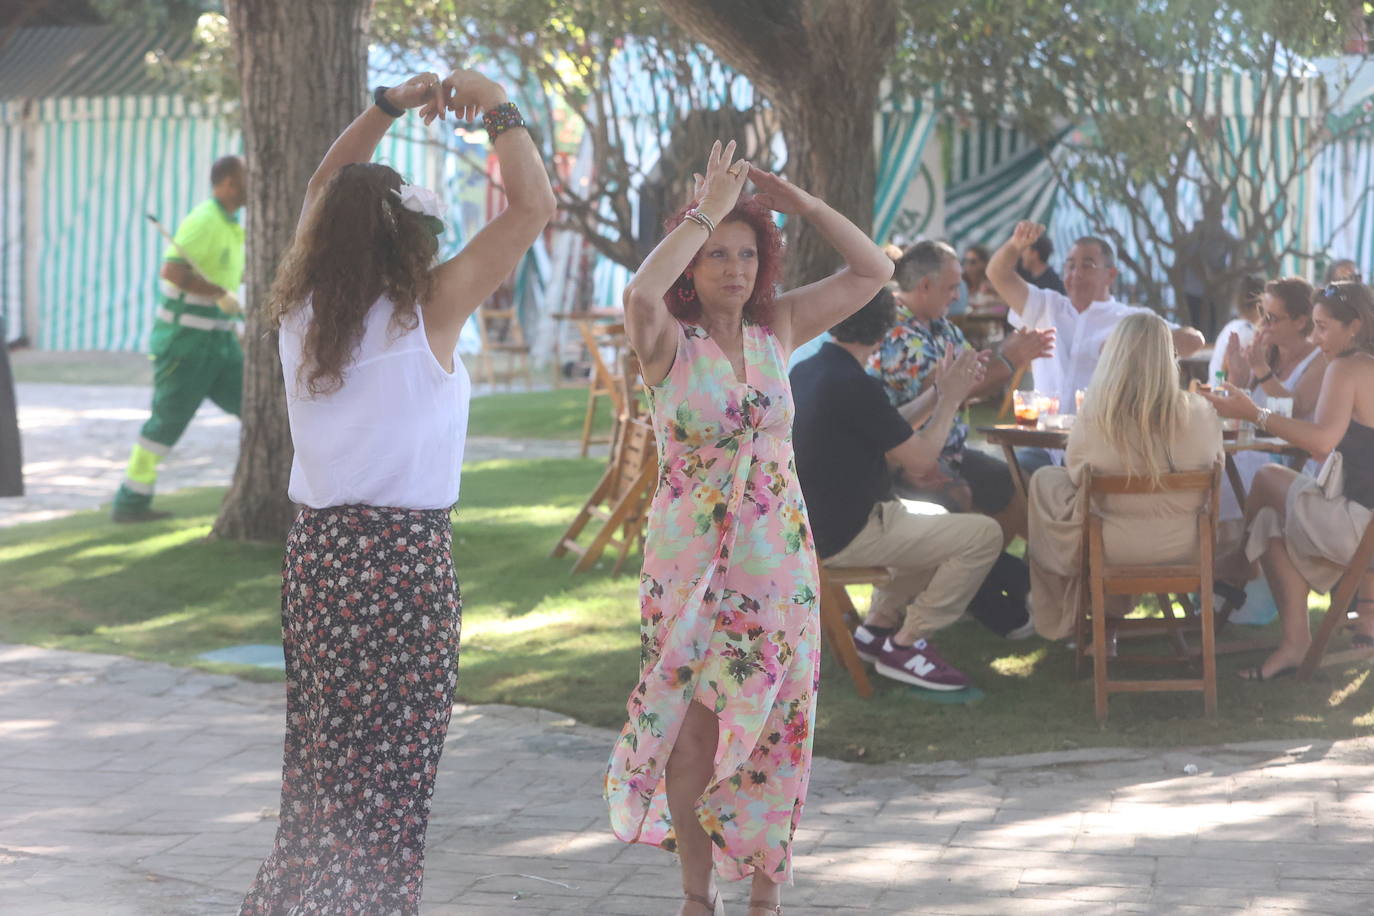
421, 200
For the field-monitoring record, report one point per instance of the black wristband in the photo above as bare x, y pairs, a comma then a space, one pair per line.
380, 100
1264, 378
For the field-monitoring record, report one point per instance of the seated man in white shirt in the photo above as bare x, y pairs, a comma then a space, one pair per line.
1082, 320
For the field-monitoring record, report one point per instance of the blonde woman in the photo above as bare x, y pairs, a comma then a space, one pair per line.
1137, 421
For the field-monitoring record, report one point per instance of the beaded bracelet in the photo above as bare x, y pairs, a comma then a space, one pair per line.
500, 119
701, 219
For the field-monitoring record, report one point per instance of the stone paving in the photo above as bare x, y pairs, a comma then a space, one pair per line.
136, 789
76, 440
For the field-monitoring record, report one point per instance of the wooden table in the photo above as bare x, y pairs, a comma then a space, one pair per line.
1011, 437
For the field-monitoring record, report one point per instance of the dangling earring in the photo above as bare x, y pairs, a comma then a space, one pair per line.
688, 291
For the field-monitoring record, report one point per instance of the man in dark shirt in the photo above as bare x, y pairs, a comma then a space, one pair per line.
1034, 266
848, 439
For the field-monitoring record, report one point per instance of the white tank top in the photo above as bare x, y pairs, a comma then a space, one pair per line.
392, 435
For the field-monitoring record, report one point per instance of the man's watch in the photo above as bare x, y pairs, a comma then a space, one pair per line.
381, 101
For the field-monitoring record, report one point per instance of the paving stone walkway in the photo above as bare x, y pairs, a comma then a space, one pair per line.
136, 789
76, 440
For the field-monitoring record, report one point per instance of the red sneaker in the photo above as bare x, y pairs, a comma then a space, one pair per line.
919, 664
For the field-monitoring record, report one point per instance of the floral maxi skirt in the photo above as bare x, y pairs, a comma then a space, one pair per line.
370, 627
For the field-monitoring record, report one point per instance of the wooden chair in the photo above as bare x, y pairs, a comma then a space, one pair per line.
620, 500
1347, 587
499, 329
839, 619
1105, 579
605, 383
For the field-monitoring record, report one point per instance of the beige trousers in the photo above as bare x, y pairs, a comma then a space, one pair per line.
938, 561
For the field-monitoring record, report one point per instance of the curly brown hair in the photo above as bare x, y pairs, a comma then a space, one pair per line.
357, 245
681, 297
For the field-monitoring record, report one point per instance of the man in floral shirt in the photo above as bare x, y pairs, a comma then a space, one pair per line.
966, 479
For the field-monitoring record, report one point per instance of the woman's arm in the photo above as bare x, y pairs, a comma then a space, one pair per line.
1308, 390
464, 281
359, 140
815, 308
1335, 408
648, 323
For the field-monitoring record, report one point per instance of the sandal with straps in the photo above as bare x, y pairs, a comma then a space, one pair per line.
772, 909
716, 906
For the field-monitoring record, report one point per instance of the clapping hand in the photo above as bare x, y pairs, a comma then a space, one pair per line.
956, 375
1026, 344
1257, 353
777, 193
424, 91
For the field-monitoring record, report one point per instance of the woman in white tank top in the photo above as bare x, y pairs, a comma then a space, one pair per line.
377, 401
1280, 362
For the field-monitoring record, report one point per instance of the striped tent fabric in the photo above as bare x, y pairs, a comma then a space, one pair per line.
999, 176
901, 134
1344, 194
12, 198
108, 162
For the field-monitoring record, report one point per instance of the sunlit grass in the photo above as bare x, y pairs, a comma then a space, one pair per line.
533, 634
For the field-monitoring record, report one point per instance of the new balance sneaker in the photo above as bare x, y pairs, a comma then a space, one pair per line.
868, 641
919, 664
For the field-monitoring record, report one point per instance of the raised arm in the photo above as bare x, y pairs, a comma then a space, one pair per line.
648, 323
1002, 268
359, 140
464, 281
1335, 407
809, 310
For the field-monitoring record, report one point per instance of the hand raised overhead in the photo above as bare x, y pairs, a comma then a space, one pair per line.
1026, 233
718, 190
777, 193
424, 91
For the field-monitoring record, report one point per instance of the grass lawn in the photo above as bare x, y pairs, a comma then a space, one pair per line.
556, 414
534, 635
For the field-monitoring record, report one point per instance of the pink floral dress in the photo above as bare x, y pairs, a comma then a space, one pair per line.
729, 610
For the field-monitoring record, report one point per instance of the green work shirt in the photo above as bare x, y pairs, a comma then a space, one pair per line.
213, 239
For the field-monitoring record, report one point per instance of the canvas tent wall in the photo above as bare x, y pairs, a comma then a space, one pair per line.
90, 144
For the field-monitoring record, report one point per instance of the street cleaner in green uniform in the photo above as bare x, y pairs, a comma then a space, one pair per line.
195, 351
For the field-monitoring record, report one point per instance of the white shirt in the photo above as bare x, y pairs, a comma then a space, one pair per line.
392, 435
1078, 339
1236, 327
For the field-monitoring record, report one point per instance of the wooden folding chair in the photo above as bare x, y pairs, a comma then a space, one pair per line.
1105, 579
1347, 587
1012, 384
839, 619
620, 500
604, 380
499, 330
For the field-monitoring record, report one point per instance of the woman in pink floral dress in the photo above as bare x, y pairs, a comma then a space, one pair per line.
715, 758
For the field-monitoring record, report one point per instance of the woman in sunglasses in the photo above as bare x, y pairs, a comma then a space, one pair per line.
1304, 530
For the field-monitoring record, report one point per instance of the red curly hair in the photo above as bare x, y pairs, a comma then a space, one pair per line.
681, 297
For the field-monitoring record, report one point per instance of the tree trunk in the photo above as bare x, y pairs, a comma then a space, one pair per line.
303, 69
821, 64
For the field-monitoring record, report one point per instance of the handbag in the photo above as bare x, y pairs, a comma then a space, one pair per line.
1331, 477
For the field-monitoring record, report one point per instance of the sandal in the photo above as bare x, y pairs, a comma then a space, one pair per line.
772, 909
715, 906
1256, 673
